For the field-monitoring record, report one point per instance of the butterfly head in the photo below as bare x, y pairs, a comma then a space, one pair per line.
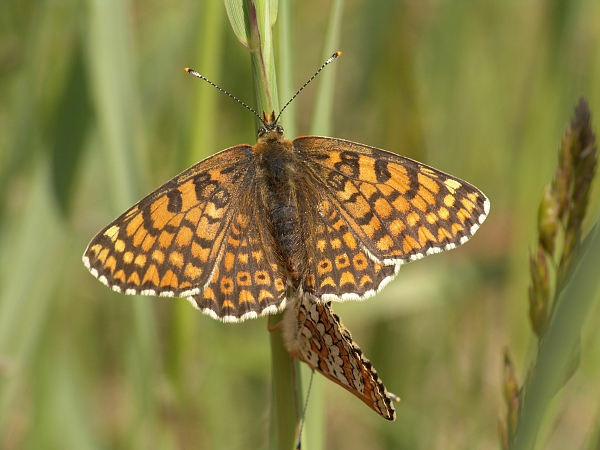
270, 128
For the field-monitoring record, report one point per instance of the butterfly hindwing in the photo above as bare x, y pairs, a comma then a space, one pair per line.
314, 334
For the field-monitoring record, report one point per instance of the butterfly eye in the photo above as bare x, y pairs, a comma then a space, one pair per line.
279, 129
261, 131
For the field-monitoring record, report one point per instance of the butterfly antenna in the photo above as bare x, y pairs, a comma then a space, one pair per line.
299, 443
202, 77
329, 61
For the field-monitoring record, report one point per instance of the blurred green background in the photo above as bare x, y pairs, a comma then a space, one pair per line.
96, 111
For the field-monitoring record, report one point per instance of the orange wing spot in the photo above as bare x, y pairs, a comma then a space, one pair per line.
359, 208
427, 182
139, 236
193, 215
452, 185
257, 256
200, 252
401, 204
120, 276
119, 246
128, 257
188, 195
158, 256
385, 243
279, 285
103, 255
457, 228
365, 279
246, 297
160, 215
262, 277
134, 278
360, 262
412, 219
148, 242
473, 197
366, 169
321, 244
443, 213
431, 218
192, 272
169, 280
208, 294
112, 233
140, 260
349, 240
373, 226
212, 211
324, 266
229, 261
347, 278
443, 234
176, 259
397, 227
185, 285
426, 195
382, 207
227, 304
410, 244
328, 282
468, 204
368, 190
232, 241
226, 286
264, 295
425, 235
336, 243
184, 237
243, 258
243, 279
165, 239
463, 215
95, 249
399, 182
339, 224
449, 200
419, 203
133, 226
151, 275
342, 261
207, 230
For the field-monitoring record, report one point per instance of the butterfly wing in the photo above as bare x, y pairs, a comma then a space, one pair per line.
397, 210
314, 334
178, 241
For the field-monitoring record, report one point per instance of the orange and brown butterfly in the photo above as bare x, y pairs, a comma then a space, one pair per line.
313, 333
331, 217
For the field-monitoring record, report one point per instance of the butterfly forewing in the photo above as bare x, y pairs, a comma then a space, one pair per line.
178, 241
398, 209
314, 334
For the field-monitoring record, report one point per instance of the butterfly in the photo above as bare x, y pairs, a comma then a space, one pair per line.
314, 334
243, 230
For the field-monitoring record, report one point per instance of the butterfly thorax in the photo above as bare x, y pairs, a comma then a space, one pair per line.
277, 176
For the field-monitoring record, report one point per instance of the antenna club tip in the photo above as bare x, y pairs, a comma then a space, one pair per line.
338, 54
187, 69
